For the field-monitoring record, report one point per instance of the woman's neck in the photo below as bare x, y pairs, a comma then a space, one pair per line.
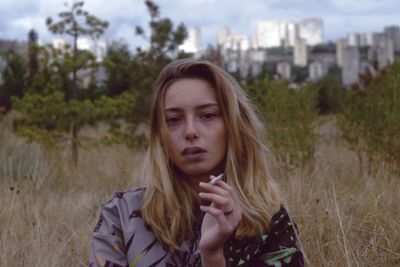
194, 180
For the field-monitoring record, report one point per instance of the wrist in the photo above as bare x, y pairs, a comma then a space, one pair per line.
213, 258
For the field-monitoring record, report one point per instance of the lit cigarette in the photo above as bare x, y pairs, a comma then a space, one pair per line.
215, 180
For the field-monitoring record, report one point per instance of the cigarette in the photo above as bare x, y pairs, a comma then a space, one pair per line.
215, 180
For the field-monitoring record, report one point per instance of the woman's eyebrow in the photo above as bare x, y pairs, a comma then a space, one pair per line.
207, 106
199, 107
172, 109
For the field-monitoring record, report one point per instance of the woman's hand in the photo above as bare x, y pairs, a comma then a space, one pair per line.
220, 220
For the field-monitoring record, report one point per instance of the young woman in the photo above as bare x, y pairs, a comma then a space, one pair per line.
202, 126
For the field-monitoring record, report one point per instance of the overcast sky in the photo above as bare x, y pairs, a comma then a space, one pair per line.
340, 17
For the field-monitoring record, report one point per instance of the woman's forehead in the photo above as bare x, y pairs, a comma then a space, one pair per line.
189, 92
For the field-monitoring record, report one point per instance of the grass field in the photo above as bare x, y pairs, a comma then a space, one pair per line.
49, 208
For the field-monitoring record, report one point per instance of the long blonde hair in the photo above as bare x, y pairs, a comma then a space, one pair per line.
171, 204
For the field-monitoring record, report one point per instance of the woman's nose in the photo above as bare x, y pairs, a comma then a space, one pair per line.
191, 133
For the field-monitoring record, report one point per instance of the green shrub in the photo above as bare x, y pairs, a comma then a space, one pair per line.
370, 120
289, 116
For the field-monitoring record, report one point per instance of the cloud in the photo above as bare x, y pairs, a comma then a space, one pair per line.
340, 16
367, 7
301, 5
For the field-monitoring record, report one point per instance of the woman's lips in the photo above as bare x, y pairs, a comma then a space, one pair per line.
192, 151
193, 154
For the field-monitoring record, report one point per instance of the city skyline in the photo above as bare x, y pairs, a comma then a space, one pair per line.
339, 17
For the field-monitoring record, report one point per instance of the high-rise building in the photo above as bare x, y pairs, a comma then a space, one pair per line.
285, 33
369, 38
268, 34
256, 58
254, 43
378, 38
97, 47
237, 42
354, 39
60, 44
383, 46
393, 33
385, 54
284, 70
300, 53
341, 44
236, 61
316, 71
192, 44
271, 33
234, 54
84, 43
222, 35
351, 65
292, 33
364, 40
312, 30
100, 49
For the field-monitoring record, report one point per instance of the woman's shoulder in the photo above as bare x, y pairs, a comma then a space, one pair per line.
132, 196
282, 224
281, 216
276, 246
122, 206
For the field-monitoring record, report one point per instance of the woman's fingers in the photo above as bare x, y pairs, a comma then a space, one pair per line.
222, 216
225, 226
216, 189
221, 188
230, 190
219, 201
224, 201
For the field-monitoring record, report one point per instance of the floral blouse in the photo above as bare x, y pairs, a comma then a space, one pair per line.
122, 238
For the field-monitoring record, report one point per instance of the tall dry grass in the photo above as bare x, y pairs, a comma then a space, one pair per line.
49, 208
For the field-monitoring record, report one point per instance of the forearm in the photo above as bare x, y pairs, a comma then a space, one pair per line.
213, 259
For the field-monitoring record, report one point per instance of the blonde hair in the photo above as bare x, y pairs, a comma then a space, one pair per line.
171, 204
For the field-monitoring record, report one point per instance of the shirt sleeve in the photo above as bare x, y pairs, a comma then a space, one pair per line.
280, 247
108, 246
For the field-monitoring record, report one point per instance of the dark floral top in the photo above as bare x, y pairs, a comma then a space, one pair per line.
122, 238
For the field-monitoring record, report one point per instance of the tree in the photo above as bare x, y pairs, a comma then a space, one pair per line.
57, 107
33, 56
163, 42
48, 119
14, 75
76, 23
118, 66
300, 74
163, 39
330, 94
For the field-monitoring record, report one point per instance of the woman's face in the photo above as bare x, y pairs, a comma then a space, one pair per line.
196, 132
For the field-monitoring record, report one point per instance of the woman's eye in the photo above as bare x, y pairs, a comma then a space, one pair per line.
172, 121
208, 116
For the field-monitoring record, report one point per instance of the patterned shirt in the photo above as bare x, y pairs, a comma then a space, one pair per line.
122, 238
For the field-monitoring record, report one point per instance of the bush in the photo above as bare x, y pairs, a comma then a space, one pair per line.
330, 95
289, 117
370, 121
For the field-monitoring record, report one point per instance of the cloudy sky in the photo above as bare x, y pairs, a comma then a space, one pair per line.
340, 17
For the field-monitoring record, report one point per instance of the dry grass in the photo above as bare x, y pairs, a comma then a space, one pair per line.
49, 208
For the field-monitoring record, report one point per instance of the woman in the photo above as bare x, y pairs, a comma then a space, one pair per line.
202, 126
